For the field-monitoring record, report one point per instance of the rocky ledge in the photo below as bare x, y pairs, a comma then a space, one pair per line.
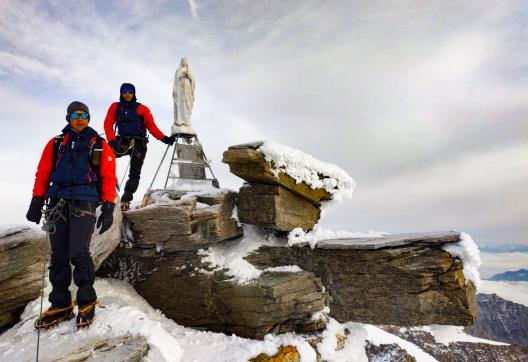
398, 280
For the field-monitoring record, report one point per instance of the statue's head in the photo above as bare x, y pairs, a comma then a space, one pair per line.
184, 62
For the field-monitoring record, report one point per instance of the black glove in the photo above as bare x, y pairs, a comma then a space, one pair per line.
168, 140
114, 145
107, 216
34, 213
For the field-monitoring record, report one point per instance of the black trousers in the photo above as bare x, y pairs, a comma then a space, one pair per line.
70, 243
137, 156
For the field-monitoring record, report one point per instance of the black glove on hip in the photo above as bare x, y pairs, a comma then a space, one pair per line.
107, 216
168, 140
34, 213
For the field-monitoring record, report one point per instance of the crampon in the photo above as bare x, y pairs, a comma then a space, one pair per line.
53, 316
86, 315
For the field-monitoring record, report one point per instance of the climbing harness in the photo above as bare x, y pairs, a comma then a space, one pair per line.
122, 152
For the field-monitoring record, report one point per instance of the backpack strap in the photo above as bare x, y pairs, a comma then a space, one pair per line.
96, 150
59, 140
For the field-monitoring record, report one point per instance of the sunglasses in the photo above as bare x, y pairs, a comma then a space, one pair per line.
127, 91
77, 115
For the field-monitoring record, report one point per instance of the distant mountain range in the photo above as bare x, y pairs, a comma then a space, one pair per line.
500, 320
512, 276
503, 248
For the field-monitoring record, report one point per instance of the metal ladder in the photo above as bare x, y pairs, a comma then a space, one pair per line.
198, 158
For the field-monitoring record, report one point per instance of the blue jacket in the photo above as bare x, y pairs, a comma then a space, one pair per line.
73, 176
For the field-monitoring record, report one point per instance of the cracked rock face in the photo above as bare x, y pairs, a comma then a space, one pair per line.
400, 283
275, 207
21, 263
188, 223
178, 285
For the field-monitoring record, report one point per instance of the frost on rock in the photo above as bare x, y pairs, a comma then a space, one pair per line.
229, 257
234, 215
304, 168
284, 269
469, 253
299, 236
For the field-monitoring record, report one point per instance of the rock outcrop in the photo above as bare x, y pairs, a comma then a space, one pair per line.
399, 283
249, 164
181, 286
183, 221
399, 279
22, 252
272, 198
275, 207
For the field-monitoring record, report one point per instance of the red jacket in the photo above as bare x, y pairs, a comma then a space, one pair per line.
107, 173
142, 110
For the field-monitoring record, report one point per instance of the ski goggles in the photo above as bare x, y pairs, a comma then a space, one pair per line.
77, 116
127, 91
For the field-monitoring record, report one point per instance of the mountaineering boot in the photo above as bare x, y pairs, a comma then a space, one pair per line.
86, 315
125, 205
53, 316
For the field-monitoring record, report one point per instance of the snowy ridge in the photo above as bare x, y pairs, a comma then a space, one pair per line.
304, 168
469, 253
127, 312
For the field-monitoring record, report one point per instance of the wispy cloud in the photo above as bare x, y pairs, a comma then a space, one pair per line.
396, 94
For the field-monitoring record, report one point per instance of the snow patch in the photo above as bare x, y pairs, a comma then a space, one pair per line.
467, 251
354, 348
284, 269
322, 314
450, 334
299, 236
229, 256
234, 215
302, 167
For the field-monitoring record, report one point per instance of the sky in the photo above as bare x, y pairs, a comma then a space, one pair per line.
424, 104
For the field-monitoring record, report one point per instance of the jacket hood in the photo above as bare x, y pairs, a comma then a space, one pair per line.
124, 86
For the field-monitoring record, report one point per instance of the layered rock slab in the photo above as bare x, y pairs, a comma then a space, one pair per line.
275, 207
392, 281
183, 221
178, 285
248, 163
22, 252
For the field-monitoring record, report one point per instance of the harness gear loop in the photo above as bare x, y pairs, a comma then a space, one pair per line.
130, 146
51, 216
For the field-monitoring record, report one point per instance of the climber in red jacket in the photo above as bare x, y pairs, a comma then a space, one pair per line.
132, 120
76, 172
